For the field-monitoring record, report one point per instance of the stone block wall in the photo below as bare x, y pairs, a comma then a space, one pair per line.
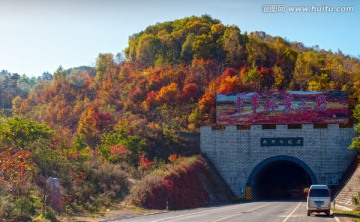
236, 153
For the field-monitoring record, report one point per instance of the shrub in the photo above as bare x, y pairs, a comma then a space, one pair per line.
17, 207
49, 161
19, 132
177, 186
97, 186
49, 215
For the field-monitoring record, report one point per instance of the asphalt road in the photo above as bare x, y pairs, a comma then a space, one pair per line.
272, 211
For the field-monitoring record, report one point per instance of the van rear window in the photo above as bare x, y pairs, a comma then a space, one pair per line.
319, 193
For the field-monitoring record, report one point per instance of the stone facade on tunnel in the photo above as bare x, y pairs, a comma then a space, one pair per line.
238, 154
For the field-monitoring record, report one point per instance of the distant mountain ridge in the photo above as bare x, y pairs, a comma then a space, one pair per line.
79, 69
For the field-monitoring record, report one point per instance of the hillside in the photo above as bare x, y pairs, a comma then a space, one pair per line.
124, 118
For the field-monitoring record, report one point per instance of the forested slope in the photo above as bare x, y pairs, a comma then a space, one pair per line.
125, 115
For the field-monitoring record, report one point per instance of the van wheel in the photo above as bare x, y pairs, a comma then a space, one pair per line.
328, 212
308, 213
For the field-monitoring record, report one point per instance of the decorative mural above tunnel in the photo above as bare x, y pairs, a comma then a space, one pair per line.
289, 107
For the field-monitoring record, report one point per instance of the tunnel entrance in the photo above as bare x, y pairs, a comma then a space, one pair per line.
281, 180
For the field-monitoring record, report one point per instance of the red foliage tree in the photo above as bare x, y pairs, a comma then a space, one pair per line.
118, 150
150, 100
103, 120
137, 95
190, 91
145, 162
14, 168
267, 79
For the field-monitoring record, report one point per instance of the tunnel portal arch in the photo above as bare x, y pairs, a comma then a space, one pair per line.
256, 183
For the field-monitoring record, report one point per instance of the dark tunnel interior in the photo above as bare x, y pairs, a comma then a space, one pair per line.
281, 180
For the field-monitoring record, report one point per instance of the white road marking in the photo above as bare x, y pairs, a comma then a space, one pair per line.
336, 218
225, 218
235, 215
183, 215
205, 211
287, 218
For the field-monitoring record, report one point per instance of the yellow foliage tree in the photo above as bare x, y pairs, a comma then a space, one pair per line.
87, 126
168, 94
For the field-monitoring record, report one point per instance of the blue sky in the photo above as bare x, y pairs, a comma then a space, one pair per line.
40, 35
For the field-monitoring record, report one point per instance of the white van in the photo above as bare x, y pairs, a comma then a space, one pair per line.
318, 199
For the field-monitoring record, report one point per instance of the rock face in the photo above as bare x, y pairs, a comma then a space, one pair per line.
53, 194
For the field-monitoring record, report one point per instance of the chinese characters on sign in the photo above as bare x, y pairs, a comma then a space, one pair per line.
270, 103
290, 107
321, 103
239, 101
255, 102
291, 141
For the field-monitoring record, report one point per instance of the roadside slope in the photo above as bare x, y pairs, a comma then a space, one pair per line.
350, 188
